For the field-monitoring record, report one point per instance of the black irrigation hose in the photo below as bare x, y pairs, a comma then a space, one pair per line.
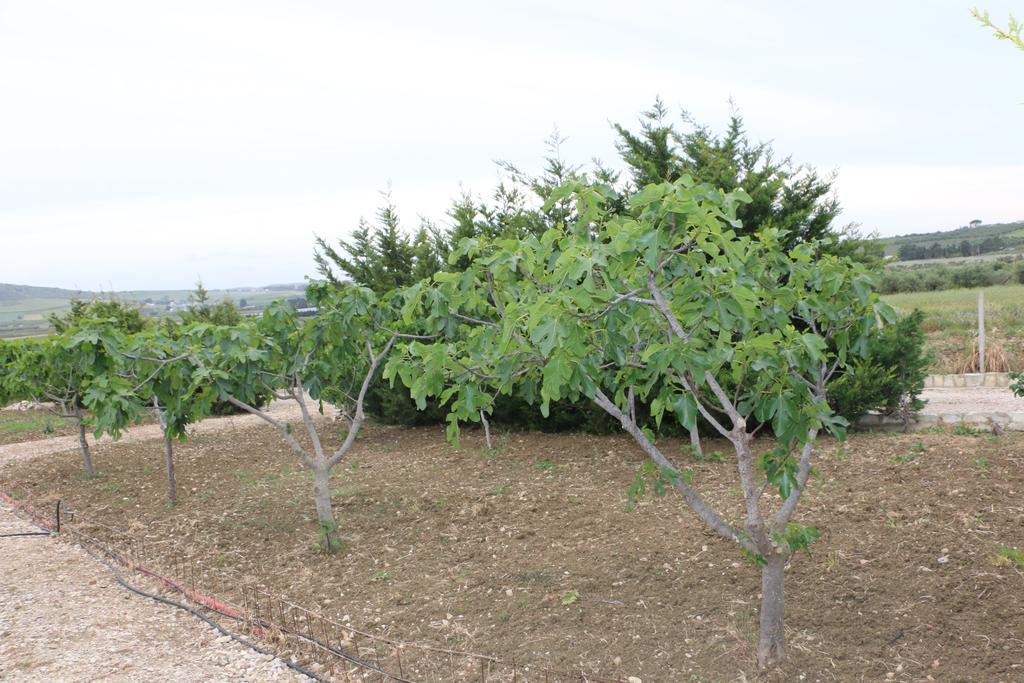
333, 650
199, 615
196, 613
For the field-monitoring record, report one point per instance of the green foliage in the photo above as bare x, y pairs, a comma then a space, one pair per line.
381, 256
656, 313
1007, 555
780, 469
755, 559
569, 598
168, 377
325, 354
793, 201
713, 456
916, 451
200, 310
961, 429
118, 314
327, 533
1011, 32
931, 278
792, 198
892, 370
659, 478
798, 537
83, 367
1017, 383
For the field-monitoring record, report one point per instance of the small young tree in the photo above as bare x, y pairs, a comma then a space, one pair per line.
160, 363
81, 368
667, 305
331, 357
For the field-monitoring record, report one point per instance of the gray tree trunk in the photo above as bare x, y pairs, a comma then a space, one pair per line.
329, 537
86, 456
695, 443
487, 430
771, 647
172, 487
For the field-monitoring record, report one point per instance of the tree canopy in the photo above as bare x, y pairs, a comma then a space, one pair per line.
666, 303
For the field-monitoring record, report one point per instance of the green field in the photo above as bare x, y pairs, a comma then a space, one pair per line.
952, 320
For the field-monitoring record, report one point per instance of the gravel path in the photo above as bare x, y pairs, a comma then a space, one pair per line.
972, 400
281, 410
63, 617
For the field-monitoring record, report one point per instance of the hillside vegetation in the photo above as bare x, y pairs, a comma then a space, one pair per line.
24, 308
964, 242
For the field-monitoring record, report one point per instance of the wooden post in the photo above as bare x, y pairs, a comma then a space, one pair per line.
981, 332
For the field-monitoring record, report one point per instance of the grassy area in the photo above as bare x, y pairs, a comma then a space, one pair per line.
952, 321
16, 426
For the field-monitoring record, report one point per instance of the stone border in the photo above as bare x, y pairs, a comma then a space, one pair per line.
974, 379
1013, 422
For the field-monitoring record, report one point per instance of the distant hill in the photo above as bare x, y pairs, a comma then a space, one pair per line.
12, 293
24, 308
982, 240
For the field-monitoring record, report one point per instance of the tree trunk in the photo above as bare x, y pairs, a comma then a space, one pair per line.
695, 443
487, 430
329, 538
172, 487
86, 456
772, 644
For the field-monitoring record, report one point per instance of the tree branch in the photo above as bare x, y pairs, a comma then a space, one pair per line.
789, 506
296, 446
690, 494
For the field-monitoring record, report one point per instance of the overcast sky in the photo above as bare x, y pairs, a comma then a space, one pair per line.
145, 144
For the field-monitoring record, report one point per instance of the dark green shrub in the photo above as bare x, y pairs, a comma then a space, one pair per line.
895, 367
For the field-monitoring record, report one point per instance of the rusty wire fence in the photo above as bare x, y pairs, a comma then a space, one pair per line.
337, 651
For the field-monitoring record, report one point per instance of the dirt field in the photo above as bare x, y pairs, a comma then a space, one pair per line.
530, 551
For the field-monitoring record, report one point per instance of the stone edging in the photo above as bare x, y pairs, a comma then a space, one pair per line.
974, 379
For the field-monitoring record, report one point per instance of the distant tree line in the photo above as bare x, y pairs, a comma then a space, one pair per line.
916, 252
933, 278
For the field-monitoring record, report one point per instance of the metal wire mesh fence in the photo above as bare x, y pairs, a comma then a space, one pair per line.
338, 651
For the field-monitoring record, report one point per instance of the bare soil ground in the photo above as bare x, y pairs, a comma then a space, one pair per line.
530, 551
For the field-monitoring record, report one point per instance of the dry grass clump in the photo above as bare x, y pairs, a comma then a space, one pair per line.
996, 360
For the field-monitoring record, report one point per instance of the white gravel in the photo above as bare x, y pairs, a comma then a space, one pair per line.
63, 617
